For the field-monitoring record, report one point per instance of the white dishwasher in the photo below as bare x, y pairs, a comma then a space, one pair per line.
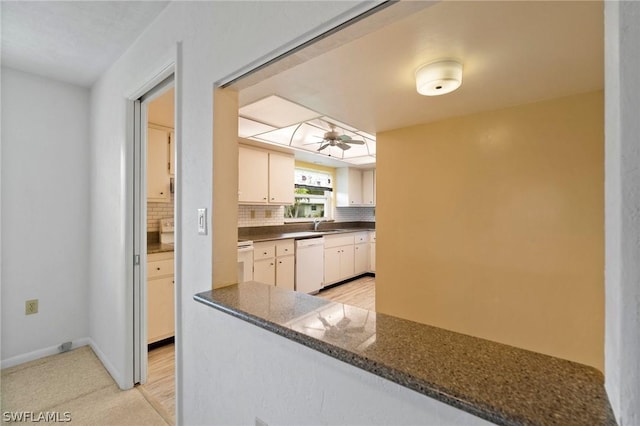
309, 265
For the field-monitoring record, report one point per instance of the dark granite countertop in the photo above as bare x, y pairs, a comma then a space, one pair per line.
497, 382
159, 248
301, 235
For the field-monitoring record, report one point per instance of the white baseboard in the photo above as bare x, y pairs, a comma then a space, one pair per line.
54, 350
115, 374
41, 353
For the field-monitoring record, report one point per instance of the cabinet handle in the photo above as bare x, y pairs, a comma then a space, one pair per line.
280, 262
264, 198
271, 264
162, 193
264, 253
158, 269
272, 198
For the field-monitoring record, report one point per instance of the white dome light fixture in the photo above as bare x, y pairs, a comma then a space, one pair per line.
439, 78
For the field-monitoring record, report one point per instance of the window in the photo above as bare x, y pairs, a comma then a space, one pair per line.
312, 196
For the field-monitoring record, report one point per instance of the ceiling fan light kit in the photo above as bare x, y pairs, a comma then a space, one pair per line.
333, 138
439, 78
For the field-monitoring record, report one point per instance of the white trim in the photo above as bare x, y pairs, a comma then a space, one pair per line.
41, 353
163, 72
115, 374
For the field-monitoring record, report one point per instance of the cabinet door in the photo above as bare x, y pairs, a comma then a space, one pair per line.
160, 309
372, 248
281, 178
355, 187
368, 188
285, 272
253, 169
157, 165
361, 258
347, 266
264, 271
332, 265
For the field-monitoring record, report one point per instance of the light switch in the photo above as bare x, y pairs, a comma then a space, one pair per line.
202, 221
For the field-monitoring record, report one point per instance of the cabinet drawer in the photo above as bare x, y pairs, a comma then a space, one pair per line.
361, 237
159, 268
338, 240
284, 247
264, 251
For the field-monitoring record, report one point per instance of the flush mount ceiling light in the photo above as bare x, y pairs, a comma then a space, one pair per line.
439, 78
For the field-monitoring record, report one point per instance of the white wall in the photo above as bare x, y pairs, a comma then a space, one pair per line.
622, 209
45, 214
316, 388
217, 39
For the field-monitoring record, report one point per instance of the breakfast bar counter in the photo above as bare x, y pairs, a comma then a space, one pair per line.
499, 383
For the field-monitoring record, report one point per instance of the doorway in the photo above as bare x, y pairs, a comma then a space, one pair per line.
154, 320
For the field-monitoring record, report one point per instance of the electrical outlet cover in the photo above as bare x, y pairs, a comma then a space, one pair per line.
31, 307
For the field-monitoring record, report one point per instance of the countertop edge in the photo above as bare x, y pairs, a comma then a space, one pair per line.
430, 390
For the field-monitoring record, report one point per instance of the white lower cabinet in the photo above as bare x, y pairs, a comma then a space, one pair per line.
372, 251
361, 253
338, 258
274, 263
160, 297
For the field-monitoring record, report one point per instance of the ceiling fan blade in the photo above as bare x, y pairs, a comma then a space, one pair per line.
323, 146
343, 145
355, 142
345, 138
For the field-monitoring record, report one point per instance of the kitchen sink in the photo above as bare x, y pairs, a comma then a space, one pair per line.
328, 231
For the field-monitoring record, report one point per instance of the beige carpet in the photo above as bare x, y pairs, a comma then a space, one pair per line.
74, 382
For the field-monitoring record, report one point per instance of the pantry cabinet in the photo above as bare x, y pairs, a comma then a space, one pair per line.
160, 297
265, 177
158, 164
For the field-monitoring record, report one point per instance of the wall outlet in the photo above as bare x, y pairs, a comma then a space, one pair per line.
267, 214
31, 307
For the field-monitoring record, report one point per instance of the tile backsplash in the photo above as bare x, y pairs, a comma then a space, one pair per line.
260, 215
157, 211
355, 214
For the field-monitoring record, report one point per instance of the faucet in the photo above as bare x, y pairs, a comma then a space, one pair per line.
316, 223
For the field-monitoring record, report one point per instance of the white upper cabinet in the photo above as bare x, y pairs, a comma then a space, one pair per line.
158, 165
281, 178
265, 177
355, 187
369, 187
253, 169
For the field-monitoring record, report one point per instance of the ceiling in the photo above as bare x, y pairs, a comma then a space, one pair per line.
71, 41
513, 53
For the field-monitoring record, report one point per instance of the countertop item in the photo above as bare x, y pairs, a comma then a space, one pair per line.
500, 383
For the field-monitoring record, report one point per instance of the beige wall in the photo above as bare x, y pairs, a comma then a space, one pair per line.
492, 225
225, 190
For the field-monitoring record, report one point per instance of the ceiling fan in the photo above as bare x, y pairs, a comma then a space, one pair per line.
333, 138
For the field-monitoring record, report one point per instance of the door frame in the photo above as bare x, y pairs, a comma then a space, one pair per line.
154, 87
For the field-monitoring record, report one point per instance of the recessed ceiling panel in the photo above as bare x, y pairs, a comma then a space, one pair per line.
248, 128
360, 161
277, 112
